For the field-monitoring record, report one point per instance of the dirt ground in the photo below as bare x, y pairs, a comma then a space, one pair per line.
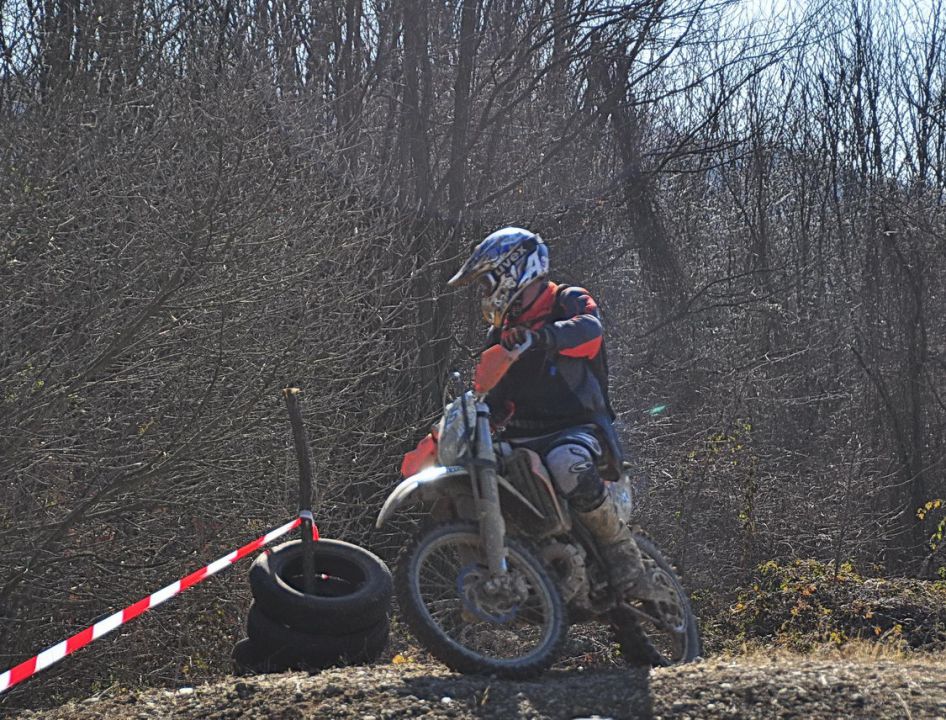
756, 686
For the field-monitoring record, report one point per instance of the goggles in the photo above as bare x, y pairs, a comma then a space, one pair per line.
486, 284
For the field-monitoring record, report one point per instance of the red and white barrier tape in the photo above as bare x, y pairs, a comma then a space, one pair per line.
57, 652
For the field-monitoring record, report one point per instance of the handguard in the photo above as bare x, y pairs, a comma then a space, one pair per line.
493, 364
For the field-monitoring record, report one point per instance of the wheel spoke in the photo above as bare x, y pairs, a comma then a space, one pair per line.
519, 631
668, 626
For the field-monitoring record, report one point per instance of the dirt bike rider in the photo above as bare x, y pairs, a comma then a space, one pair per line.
554, 397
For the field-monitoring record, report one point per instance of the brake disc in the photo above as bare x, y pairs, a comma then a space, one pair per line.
493, 599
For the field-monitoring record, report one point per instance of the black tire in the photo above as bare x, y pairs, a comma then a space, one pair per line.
637, 646
245, 658
448, 649
280, 644
353, 587
248, 660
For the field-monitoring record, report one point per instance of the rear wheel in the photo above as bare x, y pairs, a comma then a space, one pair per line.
512, 626
672, 637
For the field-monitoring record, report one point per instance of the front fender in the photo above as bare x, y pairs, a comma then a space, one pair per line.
425, 479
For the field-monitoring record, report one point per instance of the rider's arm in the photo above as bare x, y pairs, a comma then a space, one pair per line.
580, 334
495, 397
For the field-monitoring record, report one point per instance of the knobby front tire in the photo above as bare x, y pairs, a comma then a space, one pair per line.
436, 581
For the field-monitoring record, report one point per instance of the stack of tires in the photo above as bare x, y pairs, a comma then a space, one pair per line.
344, 622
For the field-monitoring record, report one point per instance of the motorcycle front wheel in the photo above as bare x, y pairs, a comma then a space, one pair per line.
512, 626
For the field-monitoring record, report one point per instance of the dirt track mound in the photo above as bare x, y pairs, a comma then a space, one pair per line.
745, 688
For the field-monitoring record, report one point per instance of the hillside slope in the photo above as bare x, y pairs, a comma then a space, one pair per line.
754, 687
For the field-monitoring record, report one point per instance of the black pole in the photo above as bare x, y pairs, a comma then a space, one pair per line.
304, 457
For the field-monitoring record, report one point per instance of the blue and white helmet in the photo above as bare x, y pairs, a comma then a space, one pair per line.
504, 264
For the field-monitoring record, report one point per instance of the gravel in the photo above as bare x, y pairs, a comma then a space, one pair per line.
751, 687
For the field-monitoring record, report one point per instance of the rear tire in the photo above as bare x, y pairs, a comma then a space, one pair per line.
643, 644
636, 648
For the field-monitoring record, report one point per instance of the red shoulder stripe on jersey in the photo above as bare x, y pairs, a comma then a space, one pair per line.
585, 350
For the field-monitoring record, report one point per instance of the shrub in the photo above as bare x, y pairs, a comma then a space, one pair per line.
807, 602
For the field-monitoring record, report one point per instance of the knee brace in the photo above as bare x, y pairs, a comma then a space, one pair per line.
573, 468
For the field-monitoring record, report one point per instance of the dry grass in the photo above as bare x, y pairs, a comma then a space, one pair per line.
857, 650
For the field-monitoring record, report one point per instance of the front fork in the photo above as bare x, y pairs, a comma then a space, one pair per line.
488, 511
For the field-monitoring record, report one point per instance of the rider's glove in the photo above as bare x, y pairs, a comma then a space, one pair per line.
515, 336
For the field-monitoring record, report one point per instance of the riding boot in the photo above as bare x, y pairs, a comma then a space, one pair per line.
616, 542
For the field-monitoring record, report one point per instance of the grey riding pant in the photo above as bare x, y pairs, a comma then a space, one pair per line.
571, 456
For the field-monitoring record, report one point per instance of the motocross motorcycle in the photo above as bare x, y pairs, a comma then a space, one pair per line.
491, 586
